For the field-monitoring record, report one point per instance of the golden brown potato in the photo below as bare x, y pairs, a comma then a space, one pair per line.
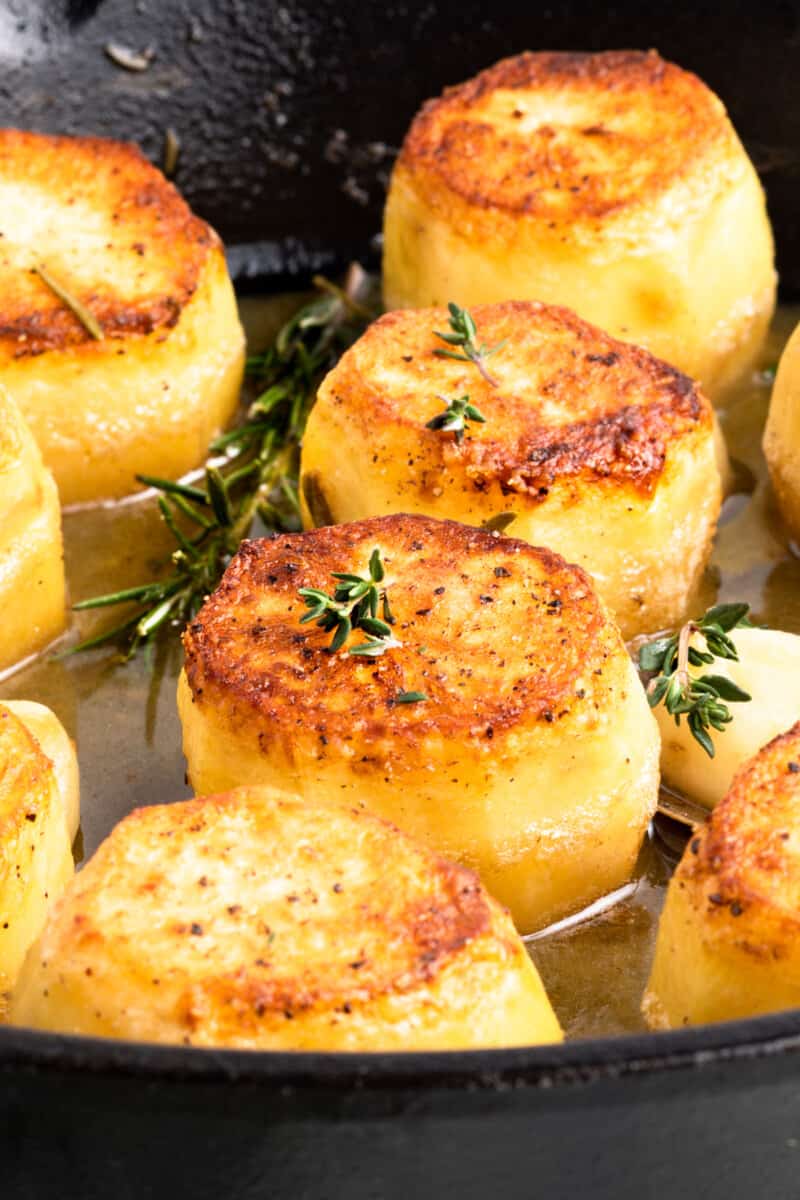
35, 848
729, 936
54, 742
611, 183
768, 669
600, 451
782, 435
32, 589
165, 377
534, 758
261, 920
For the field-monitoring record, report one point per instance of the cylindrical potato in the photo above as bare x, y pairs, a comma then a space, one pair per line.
611, 183
782, 435
591, 446
262, 920
56, 744
532, 756
35, 847
100, 221
729, 937
768, 670
32, 587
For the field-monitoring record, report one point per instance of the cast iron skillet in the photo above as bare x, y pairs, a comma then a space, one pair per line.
288, 115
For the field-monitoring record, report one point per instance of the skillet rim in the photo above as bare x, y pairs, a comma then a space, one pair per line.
580, 1061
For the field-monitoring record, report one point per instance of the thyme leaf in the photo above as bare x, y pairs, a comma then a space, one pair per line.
353, 606
703, 700
463, 332
456, 416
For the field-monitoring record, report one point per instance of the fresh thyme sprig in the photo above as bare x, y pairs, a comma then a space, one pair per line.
463, 334
354, 605
456, 416
258, 476
701, 699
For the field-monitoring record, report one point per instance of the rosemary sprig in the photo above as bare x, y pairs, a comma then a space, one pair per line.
463, 333
456, 416
701, 699
86, 318
258, 477
354, 605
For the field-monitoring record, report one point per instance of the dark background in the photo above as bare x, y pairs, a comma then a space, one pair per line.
289, 114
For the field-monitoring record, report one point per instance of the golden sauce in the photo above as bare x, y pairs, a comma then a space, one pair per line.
124, 720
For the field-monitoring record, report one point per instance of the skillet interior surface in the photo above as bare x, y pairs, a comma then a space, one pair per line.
259, 94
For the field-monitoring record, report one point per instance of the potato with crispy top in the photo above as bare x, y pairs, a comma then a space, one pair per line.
599, 450
109, 229
262, 920
38, 810
532, 756
32, 588
612, 183
729, 936
782, 435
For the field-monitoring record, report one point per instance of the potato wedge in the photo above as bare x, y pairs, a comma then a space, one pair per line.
782, 435
261, 920
595, 448
109, 228
32, 587
35, 847
768, 669
728, 940
611, 183
533, 758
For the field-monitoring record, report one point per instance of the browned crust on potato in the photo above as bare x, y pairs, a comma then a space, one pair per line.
744, 864
389, 913
639, 124
619, 410
495, 632
162, 245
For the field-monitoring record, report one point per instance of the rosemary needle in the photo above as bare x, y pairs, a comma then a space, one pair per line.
258, 478
86, 318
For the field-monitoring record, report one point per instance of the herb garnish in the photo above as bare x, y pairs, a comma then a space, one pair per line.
354, 605
457, 414
702, 699
499, 523
464, 332
410, 697
86, 318
258, 476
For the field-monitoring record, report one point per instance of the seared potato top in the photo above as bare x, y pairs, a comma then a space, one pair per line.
496, 633
578, 139
747, 857
569, 402
107, 226
258, 918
